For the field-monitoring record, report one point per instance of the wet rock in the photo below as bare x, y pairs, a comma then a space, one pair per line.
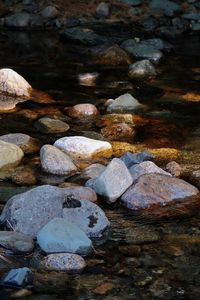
140, 235
16, 242
30, 211
113, 55
119, 132
68, 262
194, 178
92, 171
191, 16
10, 155
18, 20
59, 235
83, 110
79, 147
155, 191
169, 7
142, 69
88, 217
107, 120
56, 162
24, 141
195, 26
146, 167
113, 182
174, 168
6, 192
18, 278
124, 103
88, 79
103, 288
131, 159
130, 250
132, 2
48, 125
78, 193
23, 176
49, 12
13, 84
150, 23
102, 10
134, 11
158, 44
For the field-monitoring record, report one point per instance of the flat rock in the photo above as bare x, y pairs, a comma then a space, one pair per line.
16, 242
48, 125
55, 161
68, 262
14, 84
79, 147
30, 211
142, 69
114, 181
124, 103
87, 216
10, 155
17, 278
59, 235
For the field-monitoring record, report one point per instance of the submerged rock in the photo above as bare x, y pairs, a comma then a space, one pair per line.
142, 69
113, 55
15, 241
124, 103
49, 12
18, 278
18, 20
118, 132
48, 125
10, 155
169, 7
59, 235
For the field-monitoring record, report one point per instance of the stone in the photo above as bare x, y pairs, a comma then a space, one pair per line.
24, 176
67, 262
59, 236
194, 178
113, 55
173, 168
155, 192
10, 155
17, 278
30, 211
83, 110
56, 162
24, 141
16, 242
88, 216
131, 159
158, 44
123, 103
92, 171
78, 147
169, 7
142, 69
48, 125
118, 132
145, 167
14, 84
49, 12
191, 16
18, 20
78, 193
87, 79
102, 10
132, 2
113, 182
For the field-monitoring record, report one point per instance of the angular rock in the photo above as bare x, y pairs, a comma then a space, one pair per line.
87, 216
92, 171
18, 278
48, 125
142, 69
131, 159
79, 147
56, 162
18, 20
13, 84
10, 155
30, 211
59, 235
83, 110
68, 262
16, 242
114, 181
124, 103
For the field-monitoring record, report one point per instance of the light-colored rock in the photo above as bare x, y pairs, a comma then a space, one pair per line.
15, 241
102, 10
174, 168
14, 84
10, 155
68, 262
18, 278
49, 12
55, 161
142, 69
59, 236
83, 110
123, 103
78, 193
48, 125
79, 147
92, 171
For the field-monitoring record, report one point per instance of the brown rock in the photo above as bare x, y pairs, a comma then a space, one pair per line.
119, 132
173, 168
130, 250
103, 288
112, 56
24, 176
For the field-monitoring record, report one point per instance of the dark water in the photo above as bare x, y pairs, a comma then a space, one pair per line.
165, 260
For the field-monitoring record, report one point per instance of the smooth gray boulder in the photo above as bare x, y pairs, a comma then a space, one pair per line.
59, 236
55, 161
30, 211
114, 181
16, 242
142, 69
123, 103
87, 216
10, 155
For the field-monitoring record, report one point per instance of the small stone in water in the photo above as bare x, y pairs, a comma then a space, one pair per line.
17, 278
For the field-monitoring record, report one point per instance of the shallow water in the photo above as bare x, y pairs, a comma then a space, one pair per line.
165, 260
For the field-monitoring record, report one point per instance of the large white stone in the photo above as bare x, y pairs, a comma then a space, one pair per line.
79, 147
10, 155
13, 83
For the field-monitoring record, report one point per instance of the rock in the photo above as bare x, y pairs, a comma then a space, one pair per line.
142, 69
68, 262
13, 84
23, 176
10, 155
78, 147
110, 119
140, 235
49, 12
113, 182
88, 79
16, 242
169, 7
56, 162
119, 132
88, 217
83, 110
103, 288
150, 23
130, 250
173, 168
132, 2
146, 167
194, 178
102, 10
113, 55
48, 125
158, 44
154, 192
24, 141
191, 16
18, 278
59, 235
18, 20
141, 50
92, 171
30, 211
131, 159
124, 103
78, 193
